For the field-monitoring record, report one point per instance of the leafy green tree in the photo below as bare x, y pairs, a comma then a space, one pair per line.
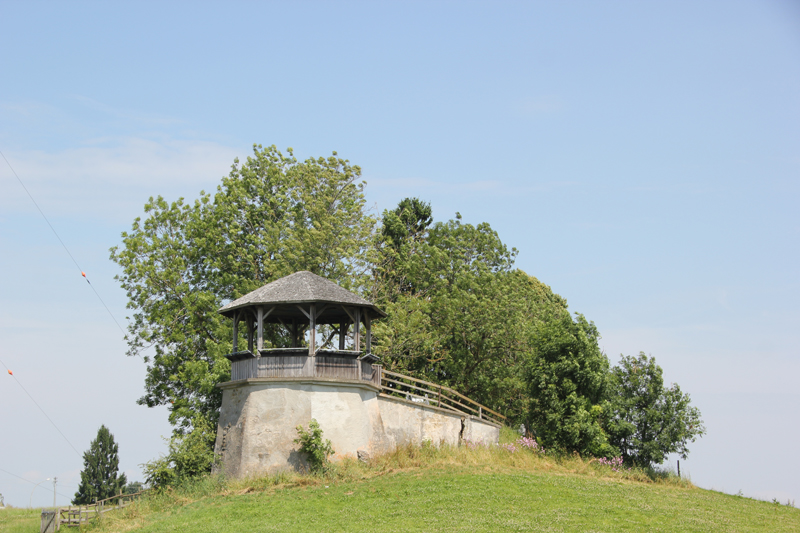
567, 375
647, 421
271, 216
458, 313
403, 230
100, 478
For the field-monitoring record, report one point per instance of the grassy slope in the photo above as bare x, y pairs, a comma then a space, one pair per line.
476, 501
14, 520
455, 490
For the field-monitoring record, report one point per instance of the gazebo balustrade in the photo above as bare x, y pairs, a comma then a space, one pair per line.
300, 304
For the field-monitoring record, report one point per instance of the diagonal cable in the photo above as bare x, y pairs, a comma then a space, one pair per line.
40, 408
61, 241
31, 482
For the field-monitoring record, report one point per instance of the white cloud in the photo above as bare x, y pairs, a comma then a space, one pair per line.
112, 177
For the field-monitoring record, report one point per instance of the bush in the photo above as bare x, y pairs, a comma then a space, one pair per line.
189, 456
316, 450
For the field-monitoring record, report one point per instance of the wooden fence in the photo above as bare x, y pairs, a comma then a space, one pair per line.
74, 516
419, 391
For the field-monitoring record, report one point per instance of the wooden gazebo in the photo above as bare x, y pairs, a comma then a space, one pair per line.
362, 408
300, 303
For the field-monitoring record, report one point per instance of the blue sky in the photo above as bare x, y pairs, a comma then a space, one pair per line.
642, 157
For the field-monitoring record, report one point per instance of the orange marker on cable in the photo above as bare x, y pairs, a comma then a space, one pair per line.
10, 373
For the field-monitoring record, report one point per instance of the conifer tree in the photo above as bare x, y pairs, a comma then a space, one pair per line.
99, 477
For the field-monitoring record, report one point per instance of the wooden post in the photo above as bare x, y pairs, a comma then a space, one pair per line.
679, 468
312, 327
357, 330
249, 321
294, 333
367, 323
236, 332
260, 344
342, 333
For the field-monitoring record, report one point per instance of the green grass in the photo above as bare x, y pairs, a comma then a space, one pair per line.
13, 520
453, 489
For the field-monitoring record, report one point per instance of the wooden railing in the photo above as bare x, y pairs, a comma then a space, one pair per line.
74, 516
419, 391
336, 367
301, 366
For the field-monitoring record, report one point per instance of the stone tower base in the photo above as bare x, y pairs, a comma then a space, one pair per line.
259, 417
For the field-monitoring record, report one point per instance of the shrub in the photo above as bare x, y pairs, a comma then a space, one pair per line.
189, 457
316, 450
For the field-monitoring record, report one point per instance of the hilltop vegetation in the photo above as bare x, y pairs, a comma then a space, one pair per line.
453, 489
459, 312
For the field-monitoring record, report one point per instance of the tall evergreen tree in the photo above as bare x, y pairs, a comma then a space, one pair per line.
99, 477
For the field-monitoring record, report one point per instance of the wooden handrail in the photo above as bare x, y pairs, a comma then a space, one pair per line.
448, 389
116, 496
437, 391
437, 394
445, 388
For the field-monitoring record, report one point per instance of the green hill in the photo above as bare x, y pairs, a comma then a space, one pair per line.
430, 489
14, 520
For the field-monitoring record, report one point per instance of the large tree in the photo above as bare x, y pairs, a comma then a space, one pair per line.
271, 216
647, 421
567, 376
100, 478
458, 312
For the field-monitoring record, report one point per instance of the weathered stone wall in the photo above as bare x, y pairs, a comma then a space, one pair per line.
405, 422
259, 416
480, 431
258, 420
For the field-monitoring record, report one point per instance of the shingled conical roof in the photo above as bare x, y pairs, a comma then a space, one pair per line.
300, 288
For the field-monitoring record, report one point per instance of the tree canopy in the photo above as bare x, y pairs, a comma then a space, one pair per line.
647, 421
271, 216
458, 311
568, 382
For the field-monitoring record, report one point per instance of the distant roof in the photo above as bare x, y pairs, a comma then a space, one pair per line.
299, 288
